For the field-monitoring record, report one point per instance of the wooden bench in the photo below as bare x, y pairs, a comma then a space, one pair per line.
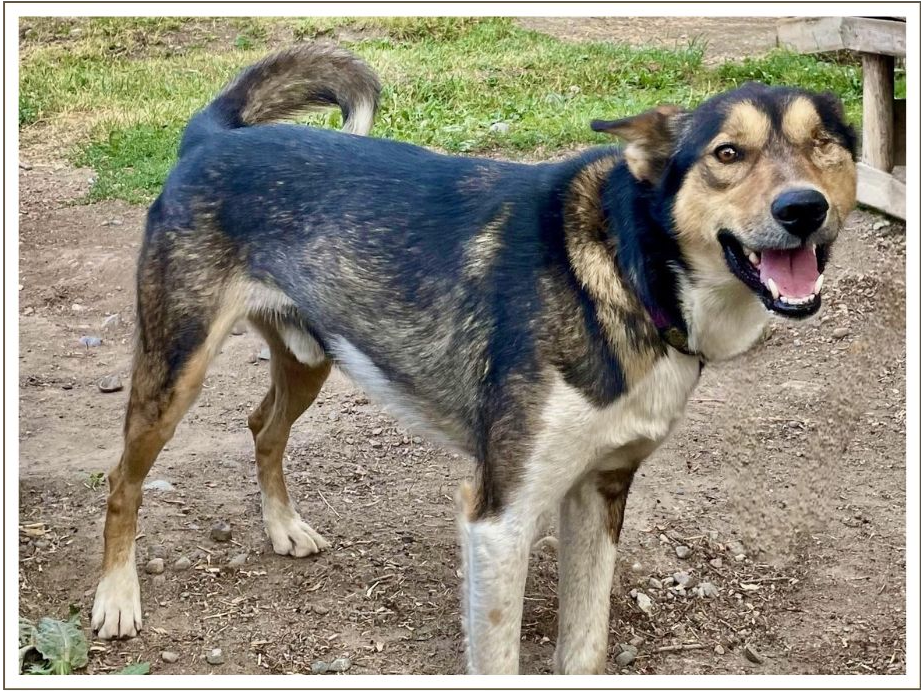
879, 42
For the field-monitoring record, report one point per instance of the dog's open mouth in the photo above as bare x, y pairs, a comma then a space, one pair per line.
788, 281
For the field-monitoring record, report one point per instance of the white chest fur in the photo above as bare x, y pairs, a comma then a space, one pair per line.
577, 437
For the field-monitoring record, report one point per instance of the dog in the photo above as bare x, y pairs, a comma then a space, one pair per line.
548, 320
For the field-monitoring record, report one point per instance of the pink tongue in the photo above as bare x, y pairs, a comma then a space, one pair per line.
794, 271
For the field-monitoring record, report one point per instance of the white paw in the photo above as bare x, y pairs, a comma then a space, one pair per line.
117, 607
291, 535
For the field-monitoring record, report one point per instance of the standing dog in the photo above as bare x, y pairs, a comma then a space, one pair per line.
549, 320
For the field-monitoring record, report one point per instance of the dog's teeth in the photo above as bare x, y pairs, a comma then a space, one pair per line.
812, 247
753, 258
784, 299
819, 282
775, 291
811, 297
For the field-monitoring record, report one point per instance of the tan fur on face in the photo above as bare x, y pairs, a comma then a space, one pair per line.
739, 195
822, 161
747, 126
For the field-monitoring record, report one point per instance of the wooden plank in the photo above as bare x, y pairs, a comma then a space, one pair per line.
827, 34
898, 132
878, 117
880, 190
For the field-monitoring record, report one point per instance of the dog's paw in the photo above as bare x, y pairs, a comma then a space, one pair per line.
292, 535
117, 607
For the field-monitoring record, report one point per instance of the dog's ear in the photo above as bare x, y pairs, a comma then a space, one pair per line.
650, 138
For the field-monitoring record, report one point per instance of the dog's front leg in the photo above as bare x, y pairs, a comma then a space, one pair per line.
495, 552
591, 515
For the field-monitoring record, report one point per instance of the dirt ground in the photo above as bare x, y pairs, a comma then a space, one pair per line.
786, 479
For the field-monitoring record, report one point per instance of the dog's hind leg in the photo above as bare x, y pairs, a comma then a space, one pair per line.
294, 387
181, 328
591, 515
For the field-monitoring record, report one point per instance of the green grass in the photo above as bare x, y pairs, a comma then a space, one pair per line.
446, 80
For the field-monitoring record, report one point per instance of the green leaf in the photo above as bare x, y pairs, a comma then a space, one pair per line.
39, 668
136, 668
62, 644
26, 633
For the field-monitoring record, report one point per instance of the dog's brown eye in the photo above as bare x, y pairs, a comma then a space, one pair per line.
726, 153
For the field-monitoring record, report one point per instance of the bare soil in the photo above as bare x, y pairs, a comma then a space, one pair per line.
786, 479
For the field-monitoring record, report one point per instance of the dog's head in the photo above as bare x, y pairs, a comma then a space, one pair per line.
755, 183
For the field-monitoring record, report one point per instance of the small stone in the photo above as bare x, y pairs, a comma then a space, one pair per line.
169, 656
627, 655
238, 561
238, 329
77, 308
319, 667
644, 602
182, 564
112, 222
377, 431
841, 332
110, 383
682, 551
499, 127
156, 551
90, 341
215, 656
265, 354
159, 580
112, 322
736, 548
319, 609
636, 641
154, 566
751, 654
707, 589
42, 544
716, 563
376, 443
636, 567
67, 386
879, 225
654, 583
220, 532
719, 650
25, 166
160, 486
417, 440
340, 664
682, 578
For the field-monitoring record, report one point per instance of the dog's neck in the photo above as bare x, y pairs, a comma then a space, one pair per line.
698, 310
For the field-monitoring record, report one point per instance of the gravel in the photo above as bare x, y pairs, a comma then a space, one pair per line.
707, 589
155, 566
319, 667
682, 551
182, 564
220, 532
644, 602
627, 654
169, 656
265, 354
751, 654
90, 341
215, 656
340, 664
110, 383
238, 561
841, 332
160, 486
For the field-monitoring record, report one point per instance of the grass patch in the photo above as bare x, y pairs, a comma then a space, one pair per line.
446, 81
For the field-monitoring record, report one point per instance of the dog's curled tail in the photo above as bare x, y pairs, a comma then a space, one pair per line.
297, 79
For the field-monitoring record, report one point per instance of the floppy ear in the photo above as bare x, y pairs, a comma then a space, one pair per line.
650, 138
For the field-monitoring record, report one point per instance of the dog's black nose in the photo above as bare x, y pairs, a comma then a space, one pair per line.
801, 212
